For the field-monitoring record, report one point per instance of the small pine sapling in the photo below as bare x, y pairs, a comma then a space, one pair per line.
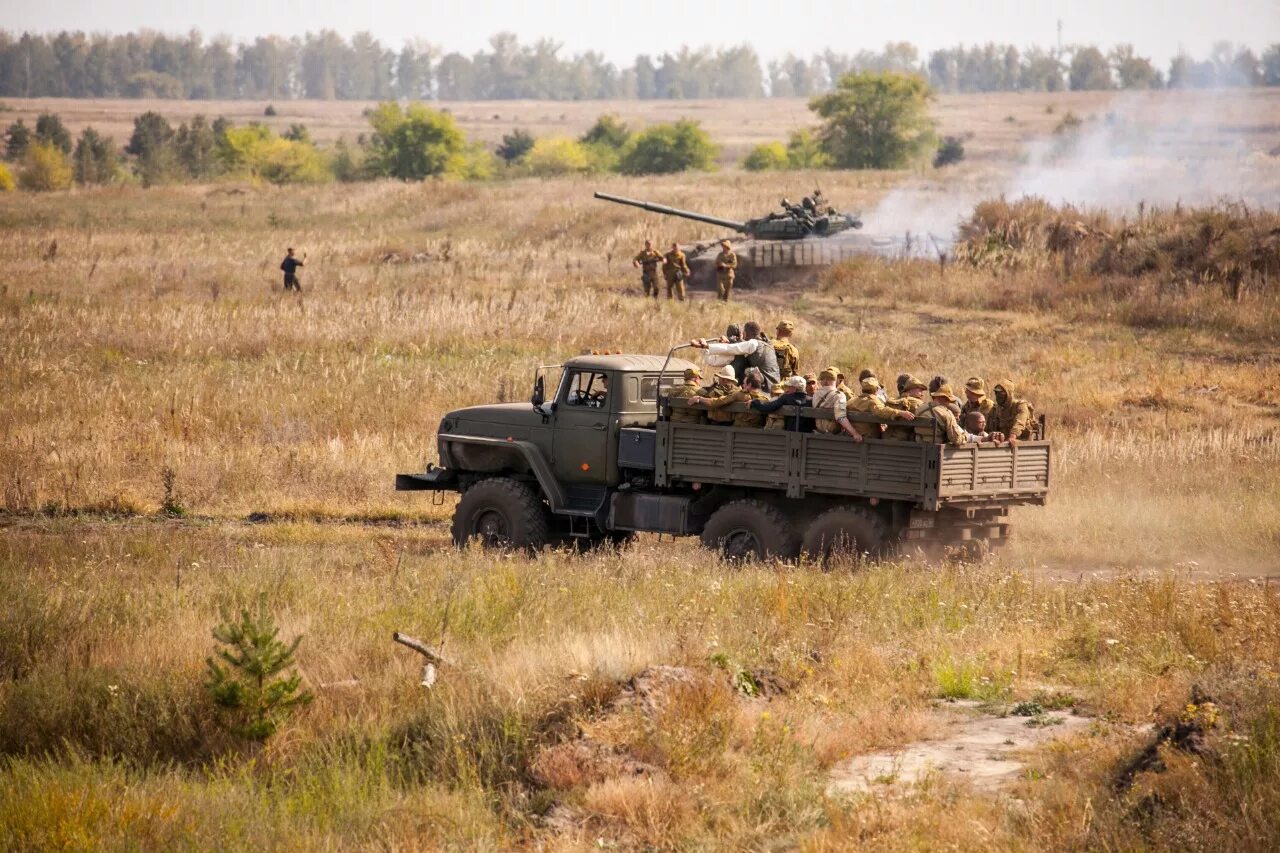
244, 676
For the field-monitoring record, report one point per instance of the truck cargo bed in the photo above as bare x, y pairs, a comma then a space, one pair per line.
929, 475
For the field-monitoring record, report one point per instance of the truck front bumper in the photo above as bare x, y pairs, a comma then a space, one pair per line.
432, 480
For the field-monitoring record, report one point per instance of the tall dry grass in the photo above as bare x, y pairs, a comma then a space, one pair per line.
155, 346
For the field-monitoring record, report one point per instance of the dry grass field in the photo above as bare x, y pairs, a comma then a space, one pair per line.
152, 361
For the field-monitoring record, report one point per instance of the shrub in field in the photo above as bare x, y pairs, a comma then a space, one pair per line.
51, 131
556, 155
414, 142
767, 156
45, 168
515, 145
16, 139
245, 678
256, 151
152, 146
197, 145
804, 151
875, 121
605, 142
666, 148
950, 151
6, 179
95, 158
346, 163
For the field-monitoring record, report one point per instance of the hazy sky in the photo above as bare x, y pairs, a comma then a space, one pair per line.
620, 30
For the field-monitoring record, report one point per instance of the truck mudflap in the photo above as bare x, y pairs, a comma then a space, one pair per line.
432, 480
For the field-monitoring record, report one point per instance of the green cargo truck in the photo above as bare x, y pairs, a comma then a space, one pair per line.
598, 460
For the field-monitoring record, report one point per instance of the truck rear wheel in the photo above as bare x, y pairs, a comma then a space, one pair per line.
501, 513
852, 530
750, 530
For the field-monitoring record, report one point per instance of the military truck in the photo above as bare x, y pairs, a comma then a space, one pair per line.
599, 460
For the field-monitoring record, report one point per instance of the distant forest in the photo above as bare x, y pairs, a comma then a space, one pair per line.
325, 65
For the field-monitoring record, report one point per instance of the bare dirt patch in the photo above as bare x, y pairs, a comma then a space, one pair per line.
985, 750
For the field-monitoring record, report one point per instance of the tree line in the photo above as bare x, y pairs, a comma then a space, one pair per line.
870, 121
325, 65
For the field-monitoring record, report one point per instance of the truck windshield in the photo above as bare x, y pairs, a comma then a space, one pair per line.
587, 388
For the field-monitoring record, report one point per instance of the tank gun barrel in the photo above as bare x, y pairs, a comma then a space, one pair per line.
740, 227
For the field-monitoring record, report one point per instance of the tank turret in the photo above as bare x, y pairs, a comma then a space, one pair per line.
793, 222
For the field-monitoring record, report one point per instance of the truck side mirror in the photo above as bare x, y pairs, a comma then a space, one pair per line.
539, 393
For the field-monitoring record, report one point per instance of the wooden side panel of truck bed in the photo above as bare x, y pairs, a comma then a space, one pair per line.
931, 475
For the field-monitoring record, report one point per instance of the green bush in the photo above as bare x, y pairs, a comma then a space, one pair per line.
556, 155
875, 120
245, 677
413, 143
609, 131
767, 156
95, 158
667, 148
17, 138
515, 145
950, 151
257, 152
45, 168
804, 151
51, 131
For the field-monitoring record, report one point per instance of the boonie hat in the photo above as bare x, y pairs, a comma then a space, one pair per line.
976, 385
945, 391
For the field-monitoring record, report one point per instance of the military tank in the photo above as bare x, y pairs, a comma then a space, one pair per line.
792, 244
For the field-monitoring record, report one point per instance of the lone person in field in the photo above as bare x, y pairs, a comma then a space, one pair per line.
290, 266
726, 269
647, 261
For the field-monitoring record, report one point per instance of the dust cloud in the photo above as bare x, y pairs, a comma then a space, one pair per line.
1173, 148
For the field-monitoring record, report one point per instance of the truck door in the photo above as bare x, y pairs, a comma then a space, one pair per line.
581, 443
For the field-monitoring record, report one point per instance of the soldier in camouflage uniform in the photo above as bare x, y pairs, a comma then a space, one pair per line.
726, 269
1010, 416
749, 393
689, 388
675, 271
944, 428
724, 384
647, 262
828, 396
976, 399
787, 352
914, 400
869, 403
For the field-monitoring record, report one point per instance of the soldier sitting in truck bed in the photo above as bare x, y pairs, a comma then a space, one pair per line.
870, 403
793, 394
689, 388
830, 397
944, 427
749, 393
724, 383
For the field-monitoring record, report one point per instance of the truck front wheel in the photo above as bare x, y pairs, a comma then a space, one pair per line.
852, 530
748, 530
501, 513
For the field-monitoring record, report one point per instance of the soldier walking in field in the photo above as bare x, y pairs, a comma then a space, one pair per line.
675, 270
647, 261
726, 267
290, 266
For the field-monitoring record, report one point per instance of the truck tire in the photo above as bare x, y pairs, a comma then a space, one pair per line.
501, 513
748, 530
852, 530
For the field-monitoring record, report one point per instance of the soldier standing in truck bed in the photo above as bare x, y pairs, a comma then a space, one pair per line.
787, 353
675, 270
647, 261
726, 269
